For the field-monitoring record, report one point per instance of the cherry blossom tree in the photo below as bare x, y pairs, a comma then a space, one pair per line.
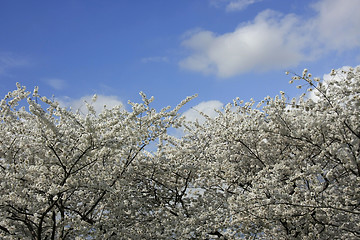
276, 169
279, 169
68, 176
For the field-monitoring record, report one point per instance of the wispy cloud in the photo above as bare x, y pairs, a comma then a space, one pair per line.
10, 60
233, 5
275, 41
99, 105
240, 5
55, 83
154, 59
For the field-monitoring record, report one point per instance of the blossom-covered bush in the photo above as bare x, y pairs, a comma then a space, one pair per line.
278, 169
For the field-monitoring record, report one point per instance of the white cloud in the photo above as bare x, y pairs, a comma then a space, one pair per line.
264, 44
55, 83
80, 104
275, 41
208, 108
338, 23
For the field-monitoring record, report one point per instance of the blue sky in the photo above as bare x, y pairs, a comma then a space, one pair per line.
169, 49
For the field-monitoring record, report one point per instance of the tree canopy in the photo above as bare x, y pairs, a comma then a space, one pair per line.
278, 169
